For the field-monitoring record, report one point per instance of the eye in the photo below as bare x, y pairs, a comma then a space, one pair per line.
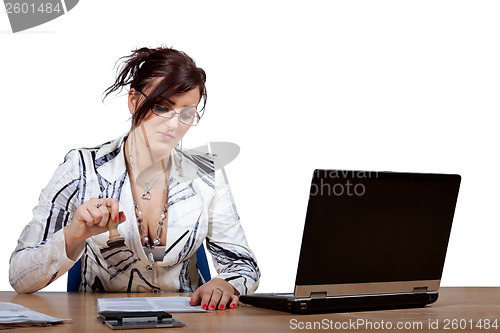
188, 113
161, 109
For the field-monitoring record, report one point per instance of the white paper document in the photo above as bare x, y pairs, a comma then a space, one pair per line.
141, 304
15, 315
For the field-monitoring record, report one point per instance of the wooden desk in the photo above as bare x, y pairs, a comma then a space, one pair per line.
456, 306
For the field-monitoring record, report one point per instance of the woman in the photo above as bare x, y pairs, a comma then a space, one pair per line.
166, 200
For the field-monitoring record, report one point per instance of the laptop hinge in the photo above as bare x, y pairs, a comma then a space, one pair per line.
419, 290
321, 294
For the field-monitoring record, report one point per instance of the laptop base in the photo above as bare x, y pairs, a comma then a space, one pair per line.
288, 303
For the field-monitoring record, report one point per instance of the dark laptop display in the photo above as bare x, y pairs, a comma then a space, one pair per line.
371, 239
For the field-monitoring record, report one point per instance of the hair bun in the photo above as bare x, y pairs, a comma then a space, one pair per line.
143, 52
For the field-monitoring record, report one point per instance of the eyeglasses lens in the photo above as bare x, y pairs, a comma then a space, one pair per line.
187, 115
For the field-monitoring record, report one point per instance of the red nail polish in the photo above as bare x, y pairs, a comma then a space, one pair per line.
221, 307
232, 306
115, 218
204, 307
212, 307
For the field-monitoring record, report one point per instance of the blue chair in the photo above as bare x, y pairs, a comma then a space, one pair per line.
201, 258
75, 278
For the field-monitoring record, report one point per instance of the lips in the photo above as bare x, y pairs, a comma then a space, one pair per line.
165, 136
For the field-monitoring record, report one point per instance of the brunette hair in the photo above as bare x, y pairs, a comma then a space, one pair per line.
144, 65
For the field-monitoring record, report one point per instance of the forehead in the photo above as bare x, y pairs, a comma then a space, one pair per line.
193, 95
190, 97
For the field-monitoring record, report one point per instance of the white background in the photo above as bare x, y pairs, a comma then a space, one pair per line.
370, 85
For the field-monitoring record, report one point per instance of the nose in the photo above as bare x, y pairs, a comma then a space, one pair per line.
174, 121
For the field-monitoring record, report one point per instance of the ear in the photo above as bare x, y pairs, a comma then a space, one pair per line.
132, 101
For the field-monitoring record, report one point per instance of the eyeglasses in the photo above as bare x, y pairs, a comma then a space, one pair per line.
188, 115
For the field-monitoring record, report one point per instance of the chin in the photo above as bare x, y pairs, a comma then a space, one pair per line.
162, 150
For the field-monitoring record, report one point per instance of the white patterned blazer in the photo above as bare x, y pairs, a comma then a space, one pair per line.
200, 207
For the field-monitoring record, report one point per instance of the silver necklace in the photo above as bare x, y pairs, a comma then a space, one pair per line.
163, 215
147, 188
138, 213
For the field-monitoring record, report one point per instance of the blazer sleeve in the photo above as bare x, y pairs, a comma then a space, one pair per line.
226, 241
40, 255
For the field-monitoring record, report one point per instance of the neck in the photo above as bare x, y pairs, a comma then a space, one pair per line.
143, 167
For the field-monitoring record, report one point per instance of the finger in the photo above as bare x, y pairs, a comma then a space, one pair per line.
104, 216
96, 202
205, 298
113, 204
96, 212
235, 300
196, 297
214, 300
85, 216
123, 218
95, 207
104, 210
224, 300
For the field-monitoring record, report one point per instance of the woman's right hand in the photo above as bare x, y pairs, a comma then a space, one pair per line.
90, 219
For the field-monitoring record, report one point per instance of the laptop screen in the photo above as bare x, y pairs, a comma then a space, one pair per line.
364, 227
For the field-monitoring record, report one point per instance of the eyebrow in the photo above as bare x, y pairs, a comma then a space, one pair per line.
169, 101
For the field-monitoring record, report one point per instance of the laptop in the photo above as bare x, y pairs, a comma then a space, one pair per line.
371, 240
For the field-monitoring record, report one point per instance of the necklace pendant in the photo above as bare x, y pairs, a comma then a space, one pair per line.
146, 195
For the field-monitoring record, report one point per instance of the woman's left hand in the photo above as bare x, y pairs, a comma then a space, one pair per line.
215, 294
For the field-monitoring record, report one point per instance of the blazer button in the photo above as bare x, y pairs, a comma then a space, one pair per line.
155, 290
150, 268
